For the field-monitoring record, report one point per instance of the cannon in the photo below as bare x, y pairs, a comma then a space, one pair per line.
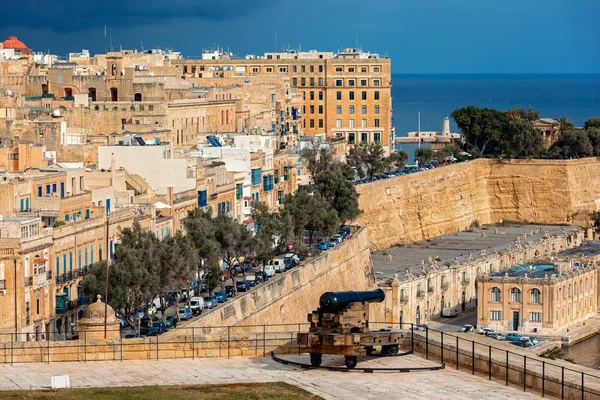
341, 326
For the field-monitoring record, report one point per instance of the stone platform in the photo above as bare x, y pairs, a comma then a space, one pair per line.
444, 384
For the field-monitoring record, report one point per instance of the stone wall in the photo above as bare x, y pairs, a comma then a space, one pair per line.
288, 298
448, 199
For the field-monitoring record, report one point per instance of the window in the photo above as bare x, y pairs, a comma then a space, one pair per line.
312, 95
320, 81
339, 82
377, 137
320, 123
350, 82
363, 69
320, 68
320, 95
269, 69
351, 137
363, 95
312, 109
338, 95
294, 81
376, 69
283, 69
496, 295
376, 109
376, 94
351, 69
535, 317
364, 137
351, 123
303, 82
515, 295
496, 315
351, 95
351, 109
294, 68
535, 296
312, 68
320, 109
312, 81
363, 82
303, 68
363, 123
255, 70
338, 109
312, 123
338, 123
339, 69
363, 109
376, 123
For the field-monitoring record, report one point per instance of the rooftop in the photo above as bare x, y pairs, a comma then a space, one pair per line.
460, 245
587, 249
532, 271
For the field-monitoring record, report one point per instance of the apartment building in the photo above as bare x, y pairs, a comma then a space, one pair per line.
345, 95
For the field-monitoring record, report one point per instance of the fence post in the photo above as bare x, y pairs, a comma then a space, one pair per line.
543, 378
157, 348
193, 343
442, 347
524, 373
297, 339
506, 367
12, 348
457, 352
427, 343
84, 346
473, 357
562, 384
264, 340
228, 339
48, 341
412, 338
582, 389
490, 363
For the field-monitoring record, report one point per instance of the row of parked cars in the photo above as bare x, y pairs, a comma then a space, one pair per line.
512, 337
409, 169
343, 234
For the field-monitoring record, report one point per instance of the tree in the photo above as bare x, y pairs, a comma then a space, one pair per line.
444, 153
481, 128
311, 212
594, 136
397, 160
367, 157
592, 123
595, 217
573, 143
200, 229
131, 280
521, 139
336, 186
564, 124
234, 239
526, 115
318, 159
423, 155
272, 231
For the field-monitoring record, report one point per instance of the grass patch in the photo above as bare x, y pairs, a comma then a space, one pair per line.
272, 390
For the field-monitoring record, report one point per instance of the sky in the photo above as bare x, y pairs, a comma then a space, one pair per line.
420, 36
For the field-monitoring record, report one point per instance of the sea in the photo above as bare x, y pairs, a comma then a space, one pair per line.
434, 96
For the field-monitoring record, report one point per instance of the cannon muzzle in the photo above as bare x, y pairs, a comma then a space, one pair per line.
334, 302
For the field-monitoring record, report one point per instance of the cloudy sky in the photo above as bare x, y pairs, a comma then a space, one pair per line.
421, 36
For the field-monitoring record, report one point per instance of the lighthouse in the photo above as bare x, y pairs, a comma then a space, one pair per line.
446, 126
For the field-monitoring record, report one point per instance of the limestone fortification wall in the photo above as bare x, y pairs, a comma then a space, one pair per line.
444, 200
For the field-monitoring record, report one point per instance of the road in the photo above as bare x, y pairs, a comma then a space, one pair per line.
456, 323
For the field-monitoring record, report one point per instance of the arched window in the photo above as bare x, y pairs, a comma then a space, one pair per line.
585, 286
515, 295
496, 294
575, 289
464, 276
535, 296
477, 271
564, 291
419, 292
570, 290
429, 287
401, 294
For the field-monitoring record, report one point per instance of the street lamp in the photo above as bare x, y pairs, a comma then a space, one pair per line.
106, 275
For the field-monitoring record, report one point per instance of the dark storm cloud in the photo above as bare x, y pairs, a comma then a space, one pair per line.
77, 15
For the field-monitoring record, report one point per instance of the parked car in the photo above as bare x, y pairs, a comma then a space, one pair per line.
449, 312
263, 276
132, 335
269, 270
196, 305
242, 286
210, 302
485, 331
220, 296
524, 342
169, 321
467, 328
230, 291
279, 264
420, 327
251, 278
185, 314
155, 322
513, 336
323, 246
495, 335
238, 268
535, 340
345, 232
150, 331
337, 238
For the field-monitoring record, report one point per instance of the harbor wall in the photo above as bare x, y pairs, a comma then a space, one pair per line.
435, 202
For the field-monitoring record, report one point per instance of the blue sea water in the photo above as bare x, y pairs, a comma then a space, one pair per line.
576, 96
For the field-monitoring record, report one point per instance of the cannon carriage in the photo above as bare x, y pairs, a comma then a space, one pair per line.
340, 326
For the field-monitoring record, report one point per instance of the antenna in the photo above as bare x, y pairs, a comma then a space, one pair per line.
142, 40
357, 41
105, 49
110, 35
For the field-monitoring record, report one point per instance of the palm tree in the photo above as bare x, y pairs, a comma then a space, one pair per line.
564, 123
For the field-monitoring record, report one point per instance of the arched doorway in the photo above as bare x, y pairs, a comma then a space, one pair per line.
464, 304
137, 97
418, 316
442, 304
45, 88
92, 94
114, 96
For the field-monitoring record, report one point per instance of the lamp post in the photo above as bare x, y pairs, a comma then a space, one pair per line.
106, 275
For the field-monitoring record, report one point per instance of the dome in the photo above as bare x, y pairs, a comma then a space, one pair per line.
13, 43
94, 313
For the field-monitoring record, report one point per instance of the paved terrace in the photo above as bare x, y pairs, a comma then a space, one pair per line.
444, 384
447, 248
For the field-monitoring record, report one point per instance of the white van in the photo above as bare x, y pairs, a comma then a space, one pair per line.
196, 305
279, 264
269, 270
449, 312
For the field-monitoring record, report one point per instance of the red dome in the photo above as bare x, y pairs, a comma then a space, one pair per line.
13, 43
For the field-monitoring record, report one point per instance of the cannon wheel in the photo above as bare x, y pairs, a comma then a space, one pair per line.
392, 350
351, 361
315, 359
369, 350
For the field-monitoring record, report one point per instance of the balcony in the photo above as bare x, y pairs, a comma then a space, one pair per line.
29, 281
61, 303
404, 299
420, 294
465, 281
444, 286
430, 289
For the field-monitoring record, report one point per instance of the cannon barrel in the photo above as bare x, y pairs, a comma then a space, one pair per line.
334, 302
